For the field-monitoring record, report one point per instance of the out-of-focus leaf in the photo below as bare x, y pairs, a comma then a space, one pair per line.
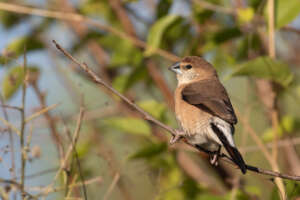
9, 19
82, 149
285, 12
265, 67
200, 14
153, 107
130, 125
99, 8
157, 31
126, 81
245, 15
286, 125
13, 80
120, 83
226, 34
254, 190
207, 196
3, 60
274, 194
149, 151
169, 185
256, 4
163, 8
292, 189
126, 54
77, 45
177, 31
250, 42
18, 45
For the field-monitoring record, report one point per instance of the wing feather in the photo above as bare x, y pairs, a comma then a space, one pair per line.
211, 96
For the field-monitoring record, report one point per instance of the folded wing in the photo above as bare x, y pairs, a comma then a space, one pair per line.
211, 96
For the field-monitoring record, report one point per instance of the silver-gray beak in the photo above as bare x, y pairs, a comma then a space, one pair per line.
175, 68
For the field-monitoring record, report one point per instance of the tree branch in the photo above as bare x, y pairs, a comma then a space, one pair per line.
149, 118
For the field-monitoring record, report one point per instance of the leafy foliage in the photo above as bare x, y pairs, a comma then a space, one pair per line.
129, 125
157, 31
265, 67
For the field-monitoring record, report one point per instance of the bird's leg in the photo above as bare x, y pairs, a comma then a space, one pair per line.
214, 156
175, 138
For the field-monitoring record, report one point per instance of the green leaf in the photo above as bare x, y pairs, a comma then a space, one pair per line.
17, 46
285, 12
130, 125
157, 31
265, 67
3, 60
245, 15
9, 19
153, 107
125, 81
163, 8
209, 197
287, 125
126, 54
254, 190
83, 149
13, 80
226, 34
120, 83
292, 189
149, 151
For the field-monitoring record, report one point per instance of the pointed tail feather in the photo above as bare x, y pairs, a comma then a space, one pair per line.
232, 151
236, 157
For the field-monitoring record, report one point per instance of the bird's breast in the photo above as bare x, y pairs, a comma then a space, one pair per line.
192, 119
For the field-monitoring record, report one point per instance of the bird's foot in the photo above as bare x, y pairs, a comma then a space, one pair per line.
175, 138
214, 159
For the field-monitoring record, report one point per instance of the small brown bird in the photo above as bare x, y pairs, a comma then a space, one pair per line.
203, 110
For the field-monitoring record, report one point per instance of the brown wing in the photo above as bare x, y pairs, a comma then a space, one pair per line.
211, 96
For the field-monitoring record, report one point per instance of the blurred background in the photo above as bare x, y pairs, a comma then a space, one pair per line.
116, 154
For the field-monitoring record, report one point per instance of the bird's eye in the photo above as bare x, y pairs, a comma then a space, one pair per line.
188, 66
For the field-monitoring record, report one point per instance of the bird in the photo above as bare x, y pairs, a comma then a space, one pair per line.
204, 111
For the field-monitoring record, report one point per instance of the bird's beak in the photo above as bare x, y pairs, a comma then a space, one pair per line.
175, 68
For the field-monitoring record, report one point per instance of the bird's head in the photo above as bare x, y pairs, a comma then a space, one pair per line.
193, 68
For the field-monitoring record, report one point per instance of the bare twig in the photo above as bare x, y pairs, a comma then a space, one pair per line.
23, 124
148, 117
76, 185
274, 112
40, 112
77, 162
11, 140
281, 143
10, 125
70, 150
214, 7
17, 185
51, 122
8, 106
112, 185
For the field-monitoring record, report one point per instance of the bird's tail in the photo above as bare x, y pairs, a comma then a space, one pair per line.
236, 157
232, 151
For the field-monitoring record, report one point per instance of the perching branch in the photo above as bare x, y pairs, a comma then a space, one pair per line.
149, 118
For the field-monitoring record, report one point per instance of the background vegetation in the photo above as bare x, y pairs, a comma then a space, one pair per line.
64, 137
